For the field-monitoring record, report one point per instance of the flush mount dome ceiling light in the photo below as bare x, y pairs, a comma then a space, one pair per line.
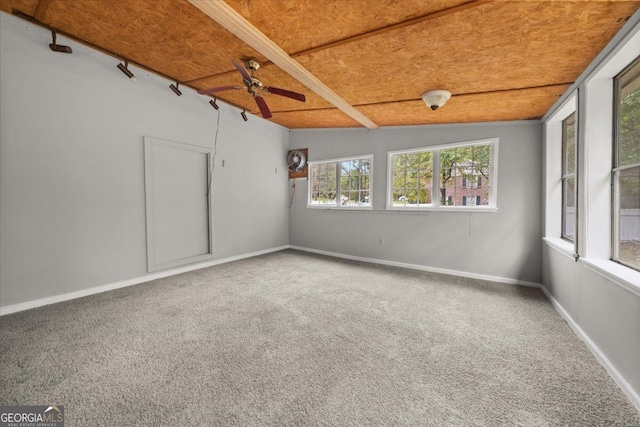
436, 98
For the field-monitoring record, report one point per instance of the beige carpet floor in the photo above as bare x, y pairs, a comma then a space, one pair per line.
296, 339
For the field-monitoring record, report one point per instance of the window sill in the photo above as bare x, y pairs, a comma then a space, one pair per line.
483, 209
619, 274
561, 245
340, 208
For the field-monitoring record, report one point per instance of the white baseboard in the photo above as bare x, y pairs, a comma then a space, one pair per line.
111, 286
421, 267
604, 361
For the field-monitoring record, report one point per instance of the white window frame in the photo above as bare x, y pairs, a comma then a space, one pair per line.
553, 176
337, 161
617, 169
435, 201
565, 177
594, 104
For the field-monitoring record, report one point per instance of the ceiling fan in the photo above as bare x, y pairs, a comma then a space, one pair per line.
253, 85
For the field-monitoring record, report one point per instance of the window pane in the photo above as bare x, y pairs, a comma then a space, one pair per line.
323, 184
569, 144
426, 160
344, 183
568, 180
425, 181
331, 173
482, 196
399, 198
411, 178
629, 117
364, 182
481, 164
568, 208
366, 167
462, 177
465, 155
460, 169
364, 198
448, 196
626, 182
482, 154
629, 216
447, 168
424, 196
354, 180
413, 161
398, 162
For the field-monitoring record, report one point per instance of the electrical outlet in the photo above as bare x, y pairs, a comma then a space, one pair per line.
381, 241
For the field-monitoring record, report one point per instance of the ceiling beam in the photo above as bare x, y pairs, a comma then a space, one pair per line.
226, 16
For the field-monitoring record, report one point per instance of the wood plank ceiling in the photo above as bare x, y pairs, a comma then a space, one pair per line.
502, 60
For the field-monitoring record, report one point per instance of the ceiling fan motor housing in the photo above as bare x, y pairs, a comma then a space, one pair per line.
252, 64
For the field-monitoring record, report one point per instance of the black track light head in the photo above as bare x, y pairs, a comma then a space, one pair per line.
174, 88
58, 47
213, 104
125, 69
244, 115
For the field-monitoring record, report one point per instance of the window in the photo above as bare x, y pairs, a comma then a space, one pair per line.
466, 182
340, 183
626, 168
569, 178
471, 200
453, 176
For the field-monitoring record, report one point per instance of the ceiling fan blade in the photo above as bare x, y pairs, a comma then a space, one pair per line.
283, 92
243, 71
262, 105
217, 89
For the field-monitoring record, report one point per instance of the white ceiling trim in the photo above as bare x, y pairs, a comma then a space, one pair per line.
226, 16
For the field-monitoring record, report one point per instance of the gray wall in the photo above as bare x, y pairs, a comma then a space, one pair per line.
72, 211
502, 244
606, 312
604, 306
